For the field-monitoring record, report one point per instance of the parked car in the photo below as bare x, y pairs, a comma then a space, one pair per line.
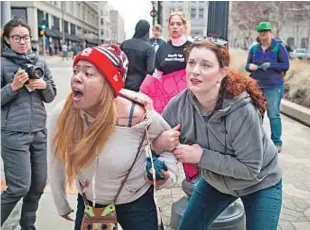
302, 53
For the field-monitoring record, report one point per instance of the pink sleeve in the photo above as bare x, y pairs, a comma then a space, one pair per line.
158, 74
162, 89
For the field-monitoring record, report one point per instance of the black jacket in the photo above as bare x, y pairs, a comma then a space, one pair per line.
23, 111
141, 56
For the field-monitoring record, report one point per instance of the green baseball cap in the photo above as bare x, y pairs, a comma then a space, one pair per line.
264, 26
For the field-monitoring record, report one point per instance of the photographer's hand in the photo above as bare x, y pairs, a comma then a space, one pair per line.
37, 84
20, 78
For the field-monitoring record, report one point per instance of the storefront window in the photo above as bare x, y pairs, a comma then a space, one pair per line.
56, 23
72, 29
19, 13
43, 18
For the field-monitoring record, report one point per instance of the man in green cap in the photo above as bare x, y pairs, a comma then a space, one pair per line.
267, 62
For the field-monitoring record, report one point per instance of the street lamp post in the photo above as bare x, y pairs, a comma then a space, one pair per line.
63, 21
153, 12
5, 12
218, 19
43, 24
159, 12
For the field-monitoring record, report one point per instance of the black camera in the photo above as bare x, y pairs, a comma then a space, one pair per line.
34, 72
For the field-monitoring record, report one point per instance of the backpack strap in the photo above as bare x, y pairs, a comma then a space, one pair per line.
254, 49
276, 52
276, 49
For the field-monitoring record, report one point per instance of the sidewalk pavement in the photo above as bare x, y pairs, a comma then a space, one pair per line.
295, 162
54, 57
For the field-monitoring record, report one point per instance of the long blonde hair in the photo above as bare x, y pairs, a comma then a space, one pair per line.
77, 147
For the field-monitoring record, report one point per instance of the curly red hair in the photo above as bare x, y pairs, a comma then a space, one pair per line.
234, 83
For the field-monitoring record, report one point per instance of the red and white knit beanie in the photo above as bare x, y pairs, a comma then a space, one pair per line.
110, 61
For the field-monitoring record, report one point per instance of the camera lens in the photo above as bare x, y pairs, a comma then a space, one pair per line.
38, 72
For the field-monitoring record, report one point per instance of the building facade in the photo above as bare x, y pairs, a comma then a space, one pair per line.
104, 22
196, 13
74, 23
117, 27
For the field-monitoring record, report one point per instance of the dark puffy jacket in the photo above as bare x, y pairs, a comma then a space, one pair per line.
23, 111
141, 56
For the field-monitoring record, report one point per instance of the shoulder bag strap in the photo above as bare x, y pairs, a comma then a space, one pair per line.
136, 157
83, 194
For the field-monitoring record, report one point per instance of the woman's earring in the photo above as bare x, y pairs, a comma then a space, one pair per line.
218, 82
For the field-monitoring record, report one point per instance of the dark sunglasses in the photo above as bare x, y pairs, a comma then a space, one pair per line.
216, 41
263, 30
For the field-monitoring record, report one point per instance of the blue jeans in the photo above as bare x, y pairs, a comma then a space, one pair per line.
262, 208
138, 215
273, 97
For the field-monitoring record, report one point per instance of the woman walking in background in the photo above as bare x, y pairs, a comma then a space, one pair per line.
267, 63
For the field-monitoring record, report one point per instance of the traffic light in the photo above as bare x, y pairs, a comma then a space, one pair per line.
42, 32
42, 28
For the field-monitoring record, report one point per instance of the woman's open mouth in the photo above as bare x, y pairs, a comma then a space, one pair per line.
195, 81
77, 94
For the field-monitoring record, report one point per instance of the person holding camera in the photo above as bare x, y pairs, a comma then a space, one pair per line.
26, 83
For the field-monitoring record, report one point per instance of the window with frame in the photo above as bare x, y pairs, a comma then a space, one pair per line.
201, 13
66, 27
78, 7
193, 12
72, 29
56, 23
78, 30
20, 13
42, 18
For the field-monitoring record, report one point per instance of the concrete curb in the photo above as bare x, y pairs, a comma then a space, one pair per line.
296, 112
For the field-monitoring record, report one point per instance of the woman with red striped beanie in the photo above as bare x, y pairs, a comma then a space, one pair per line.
94, 140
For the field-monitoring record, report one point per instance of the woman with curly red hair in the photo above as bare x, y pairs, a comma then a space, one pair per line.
222, 133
